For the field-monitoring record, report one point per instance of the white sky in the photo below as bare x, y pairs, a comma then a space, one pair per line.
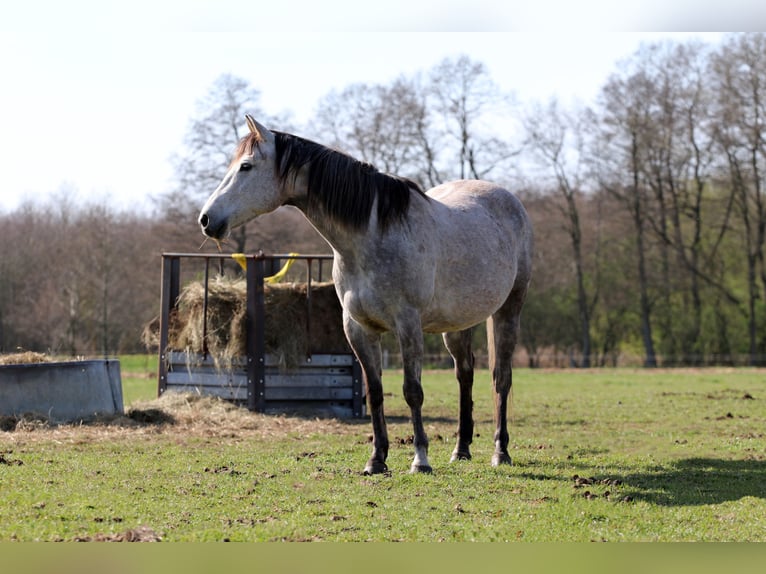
97, 95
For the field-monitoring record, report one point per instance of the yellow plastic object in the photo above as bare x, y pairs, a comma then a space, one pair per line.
277, 277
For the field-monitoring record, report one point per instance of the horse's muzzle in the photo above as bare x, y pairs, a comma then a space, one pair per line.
214, 230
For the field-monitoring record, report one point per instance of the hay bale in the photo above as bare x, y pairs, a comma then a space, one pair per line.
287, 321
226, 312
286, 333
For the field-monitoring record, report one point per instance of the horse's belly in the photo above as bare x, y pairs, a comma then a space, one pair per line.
470, 285
458, 310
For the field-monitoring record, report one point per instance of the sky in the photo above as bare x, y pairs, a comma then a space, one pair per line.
96, 96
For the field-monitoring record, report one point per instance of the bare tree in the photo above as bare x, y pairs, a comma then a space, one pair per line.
378, 124
739, 69
469, 102
676, 157
435, 128
617, 168
556, 140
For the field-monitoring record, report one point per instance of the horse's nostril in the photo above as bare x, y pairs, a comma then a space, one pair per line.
204, 220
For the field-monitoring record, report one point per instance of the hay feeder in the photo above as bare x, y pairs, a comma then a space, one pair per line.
271, 357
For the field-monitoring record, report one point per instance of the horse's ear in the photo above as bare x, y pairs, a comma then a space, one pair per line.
251, 123
262, 132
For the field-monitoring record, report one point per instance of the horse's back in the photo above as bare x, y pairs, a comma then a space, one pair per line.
483, 209
484, 240
465, 190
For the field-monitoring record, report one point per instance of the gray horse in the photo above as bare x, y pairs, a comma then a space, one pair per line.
405, 261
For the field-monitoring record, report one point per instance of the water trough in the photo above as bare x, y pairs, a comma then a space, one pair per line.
62, 391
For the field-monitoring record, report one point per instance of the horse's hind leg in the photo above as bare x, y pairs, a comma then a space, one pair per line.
459, 346
502, 334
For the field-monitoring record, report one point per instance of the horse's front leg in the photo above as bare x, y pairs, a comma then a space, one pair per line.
410, 337
366, 346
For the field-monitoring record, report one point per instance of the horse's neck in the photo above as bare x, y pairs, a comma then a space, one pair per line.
348, 244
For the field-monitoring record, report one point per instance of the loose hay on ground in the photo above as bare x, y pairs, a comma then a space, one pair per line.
183, 415
206, 415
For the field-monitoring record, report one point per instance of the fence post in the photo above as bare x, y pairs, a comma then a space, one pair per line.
255, 335
169, 291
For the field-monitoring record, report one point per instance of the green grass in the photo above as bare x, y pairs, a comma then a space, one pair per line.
681, 454
139, 377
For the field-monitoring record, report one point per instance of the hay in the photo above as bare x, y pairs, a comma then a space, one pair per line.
179, 417
226, 312
150, 336
26, 357
195, 415
285, 328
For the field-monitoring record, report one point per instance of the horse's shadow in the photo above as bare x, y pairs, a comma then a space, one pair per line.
693, 482
697, 481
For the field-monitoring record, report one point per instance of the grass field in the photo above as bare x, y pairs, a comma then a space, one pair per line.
602, 455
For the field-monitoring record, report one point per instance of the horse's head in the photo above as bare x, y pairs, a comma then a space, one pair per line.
248, 189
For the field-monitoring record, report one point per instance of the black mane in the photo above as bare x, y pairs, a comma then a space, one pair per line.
344, 188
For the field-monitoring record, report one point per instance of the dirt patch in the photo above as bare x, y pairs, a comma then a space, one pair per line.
7, 460
150, 416
140, 534
591, 488
25, 422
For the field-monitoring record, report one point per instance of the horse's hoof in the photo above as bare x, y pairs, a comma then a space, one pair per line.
375, 467
501, 458
460, 455
421, 469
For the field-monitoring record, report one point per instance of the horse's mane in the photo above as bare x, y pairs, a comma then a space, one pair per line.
343, 187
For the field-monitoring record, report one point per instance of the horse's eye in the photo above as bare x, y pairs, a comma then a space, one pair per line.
246, 167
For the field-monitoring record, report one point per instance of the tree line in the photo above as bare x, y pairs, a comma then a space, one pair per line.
648, 206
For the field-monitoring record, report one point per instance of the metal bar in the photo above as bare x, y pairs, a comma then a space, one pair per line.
204, 311
252, 371
228, 255
175, 281
308, 310
260, 331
